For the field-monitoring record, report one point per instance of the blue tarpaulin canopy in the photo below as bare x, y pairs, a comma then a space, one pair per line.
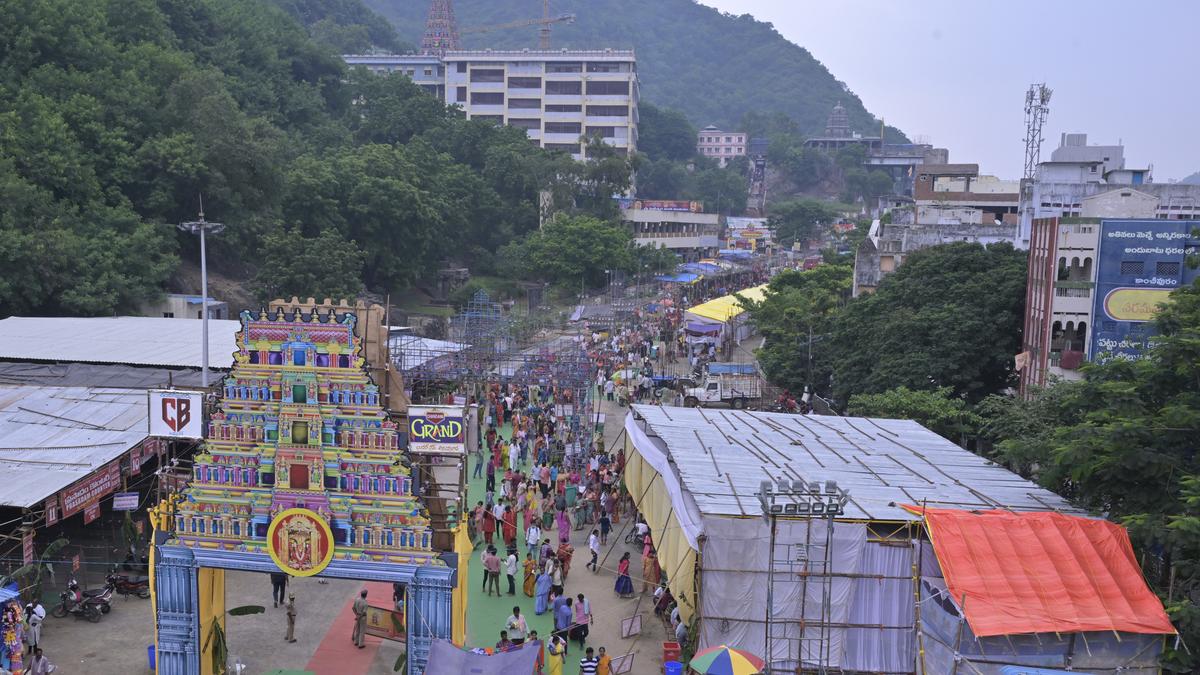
680, 278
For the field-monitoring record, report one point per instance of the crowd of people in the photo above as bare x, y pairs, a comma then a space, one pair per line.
534, 499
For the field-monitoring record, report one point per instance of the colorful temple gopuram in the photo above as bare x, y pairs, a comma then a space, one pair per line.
300, 427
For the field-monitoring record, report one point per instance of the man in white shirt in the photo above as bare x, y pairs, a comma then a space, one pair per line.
516, 627
510, 569
533, 537
36, 615
594, 547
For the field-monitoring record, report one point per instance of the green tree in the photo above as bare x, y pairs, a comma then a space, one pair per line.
571, 250
795, 318
851, 157
951, 316
663, 179
721, 190
938, 410
665, 134
799, 219
1126, 447
324, 266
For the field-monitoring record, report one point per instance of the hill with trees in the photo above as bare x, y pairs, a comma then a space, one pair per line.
714, 67
116, 116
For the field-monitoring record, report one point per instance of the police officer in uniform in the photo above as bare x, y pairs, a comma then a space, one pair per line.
291, 617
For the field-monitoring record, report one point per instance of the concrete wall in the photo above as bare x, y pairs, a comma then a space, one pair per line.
1120, 204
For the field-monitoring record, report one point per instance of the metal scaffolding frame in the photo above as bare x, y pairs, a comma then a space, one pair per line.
489, 346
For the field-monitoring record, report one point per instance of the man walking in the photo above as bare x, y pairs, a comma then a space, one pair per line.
594, 547
278, 584
533, 535
35, 614
589, 664
39, 665
562, 619
360, 620
291, 618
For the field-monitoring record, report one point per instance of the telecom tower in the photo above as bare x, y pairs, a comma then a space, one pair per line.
441, 30
1037, 106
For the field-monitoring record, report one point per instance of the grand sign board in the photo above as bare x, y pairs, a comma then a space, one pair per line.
1139, 263
437, 430
176, 414
87, 492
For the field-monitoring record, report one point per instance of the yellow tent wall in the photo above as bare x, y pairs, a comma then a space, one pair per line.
675, 555
463, 547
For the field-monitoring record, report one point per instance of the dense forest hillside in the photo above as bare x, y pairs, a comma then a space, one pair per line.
116, 116
714, 67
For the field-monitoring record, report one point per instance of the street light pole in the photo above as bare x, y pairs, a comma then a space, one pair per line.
202, 226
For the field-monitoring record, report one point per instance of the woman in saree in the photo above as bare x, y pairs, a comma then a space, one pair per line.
541, 591
530, 566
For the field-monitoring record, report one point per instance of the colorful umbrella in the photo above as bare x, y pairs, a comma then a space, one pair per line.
725, 660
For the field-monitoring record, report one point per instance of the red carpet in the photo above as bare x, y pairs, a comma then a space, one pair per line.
336, 653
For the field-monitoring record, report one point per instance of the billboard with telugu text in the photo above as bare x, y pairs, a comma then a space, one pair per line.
1139, 263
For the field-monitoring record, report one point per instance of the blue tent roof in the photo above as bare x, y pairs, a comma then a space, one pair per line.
681, 277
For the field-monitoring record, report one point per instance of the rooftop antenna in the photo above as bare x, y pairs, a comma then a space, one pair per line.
1037, 106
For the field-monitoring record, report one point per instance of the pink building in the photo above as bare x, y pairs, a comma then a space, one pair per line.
721, 145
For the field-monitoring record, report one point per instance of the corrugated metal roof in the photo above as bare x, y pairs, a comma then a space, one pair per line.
132, 340
723, 455
51, 437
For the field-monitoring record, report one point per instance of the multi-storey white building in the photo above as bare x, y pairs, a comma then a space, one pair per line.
721, 145
557, 97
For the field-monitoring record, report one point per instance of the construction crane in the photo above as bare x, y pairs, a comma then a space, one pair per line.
543, 24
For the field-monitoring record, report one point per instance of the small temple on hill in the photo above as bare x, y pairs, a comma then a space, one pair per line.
301, 426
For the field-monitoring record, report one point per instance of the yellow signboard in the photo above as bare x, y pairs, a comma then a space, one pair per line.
1135, 304
300, 542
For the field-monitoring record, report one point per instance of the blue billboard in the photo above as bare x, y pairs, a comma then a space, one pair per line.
1139, 263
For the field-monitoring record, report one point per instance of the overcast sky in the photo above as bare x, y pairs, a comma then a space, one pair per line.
955, 72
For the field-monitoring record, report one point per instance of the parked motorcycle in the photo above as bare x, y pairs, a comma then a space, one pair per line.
73, 602
126, 586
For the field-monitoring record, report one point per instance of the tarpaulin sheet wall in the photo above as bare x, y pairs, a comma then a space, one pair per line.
446, 659
1043, 572
944, 635
672, 515
736, 555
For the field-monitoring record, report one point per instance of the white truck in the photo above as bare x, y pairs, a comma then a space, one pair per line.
736, 384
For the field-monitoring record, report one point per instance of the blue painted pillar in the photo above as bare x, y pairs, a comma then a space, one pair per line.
178, 611
430, 613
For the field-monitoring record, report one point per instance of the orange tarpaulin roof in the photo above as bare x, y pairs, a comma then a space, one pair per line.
1042, 573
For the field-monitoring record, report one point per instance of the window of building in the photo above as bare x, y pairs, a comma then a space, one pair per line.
564, 67
604, 67
525, 103
525, 82
572, 148
522, 123
1093, 168
563, 108
728, 139
487, 75
461, 66
608, 88
563, 127
1131, 267
564, 88
608, 111
495, 119
487, 98
169, 315
603, 132
1167, 269
460, 94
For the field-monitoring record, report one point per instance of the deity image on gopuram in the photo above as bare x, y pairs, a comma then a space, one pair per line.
301, 461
